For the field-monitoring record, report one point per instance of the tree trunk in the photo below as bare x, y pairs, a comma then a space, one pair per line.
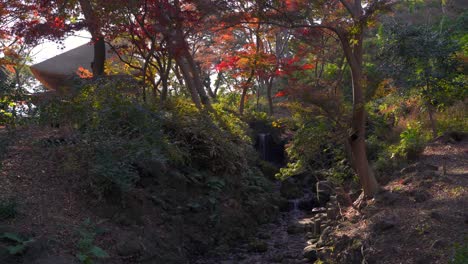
187, 74
242, 100
165, 88
99, 56
354, 56
98, 40
430, 112
269, 97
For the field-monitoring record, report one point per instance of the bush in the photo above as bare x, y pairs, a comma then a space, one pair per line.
411, 143
461, 254
8, 209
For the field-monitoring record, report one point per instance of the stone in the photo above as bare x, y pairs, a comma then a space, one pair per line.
312, 236
318, 210
295, 228
307, 204
332, 213
325, 237
310, 253
312, 241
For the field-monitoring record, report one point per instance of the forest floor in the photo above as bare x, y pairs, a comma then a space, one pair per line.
419, 216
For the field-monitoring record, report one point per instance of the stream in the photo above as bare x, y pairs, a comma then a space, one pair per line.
280, 242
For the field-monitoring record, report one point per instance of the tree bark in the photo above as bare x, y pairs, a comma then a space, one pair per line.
269, 97
432, 120
354, 56
98, 39
188, 76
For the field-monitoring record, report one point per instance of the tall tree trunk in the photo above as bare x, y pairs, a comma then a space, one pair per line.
99, 56
245, 88
188, 75
269, 84
98, 39
354, 56
180, 51
430, 111
189, 70
165, 89
242, 100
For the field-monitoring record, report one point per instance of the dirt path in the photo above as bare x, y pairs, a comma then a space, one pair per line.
422, 214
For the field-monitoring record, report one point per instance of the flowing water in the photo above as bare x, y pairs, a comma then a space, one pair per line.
283, 247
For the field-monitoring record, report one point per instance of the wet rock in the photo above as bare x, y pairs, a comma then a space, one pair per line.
318, 210
312, 241
312, 236
325, 238
295, 228
307, 204
310, 253
332, 213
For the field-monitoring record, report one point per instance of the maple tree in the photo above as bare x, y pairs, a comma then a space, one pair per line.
347, 20
248, 40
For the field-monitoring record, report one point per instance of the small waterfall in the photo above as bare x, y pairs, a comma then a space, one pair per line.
263, 144
295, 211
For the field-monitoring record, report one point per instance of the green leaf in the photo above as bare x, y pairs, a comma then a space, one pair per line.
18, 249
81, 257
98, 252
12, 237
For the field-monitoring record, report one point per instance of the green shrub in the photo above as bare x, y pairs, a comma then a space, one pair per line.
411, 143
18, 244
461, 254
8, 209
87, 251
453, 119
